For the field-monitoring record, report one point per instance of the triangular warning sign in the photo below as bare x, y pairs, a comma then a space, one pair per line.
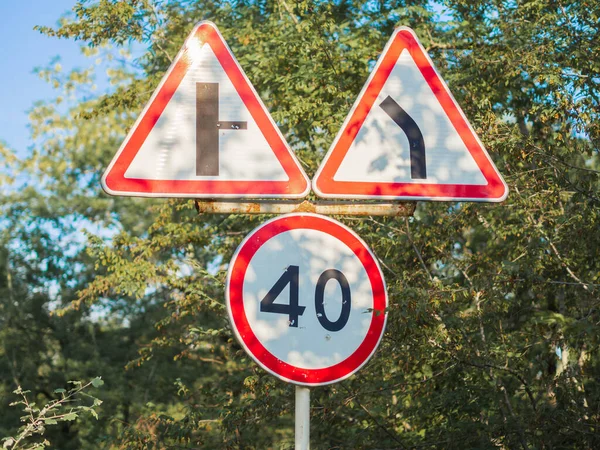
205, 133
407, 138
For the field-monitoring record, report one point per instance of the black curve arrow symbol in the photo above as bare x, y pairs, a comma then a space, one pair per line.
418, 168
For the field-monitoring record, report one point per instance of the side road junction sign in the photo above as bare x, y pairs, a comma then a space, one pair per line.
205, 133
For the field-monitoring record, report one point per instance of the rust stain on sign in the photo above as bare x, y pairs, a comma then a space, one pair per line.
306, 206
325, 207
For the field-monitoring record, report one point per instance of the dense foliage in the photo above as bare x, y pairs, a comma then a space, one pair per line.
492, 337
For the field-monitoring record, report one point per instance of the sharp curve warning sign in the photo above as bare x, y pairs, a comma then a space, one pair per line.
407, 138
205, 133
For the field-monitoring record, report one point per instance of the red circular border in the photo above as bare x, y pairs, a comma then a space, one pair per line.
235, 304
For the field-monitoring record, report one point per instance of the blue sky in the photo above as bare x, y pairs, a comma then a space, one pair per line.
21, 50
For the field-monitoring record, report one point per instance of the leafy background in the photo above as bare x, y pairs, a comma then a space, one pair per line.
492, 337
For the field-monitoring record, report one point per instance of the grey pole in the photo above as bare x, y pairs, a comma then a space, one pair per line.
302, 418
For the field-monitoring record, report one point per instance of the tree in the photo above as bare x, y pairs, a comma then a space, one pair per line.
492, 338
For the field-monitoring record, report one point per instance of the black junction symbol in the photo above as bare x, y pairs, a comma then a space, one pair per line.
418, 168
207, 129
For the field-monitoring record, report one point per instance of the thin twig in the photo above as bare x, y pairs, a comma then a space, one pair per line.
410, 239
553, 247
290, 12
385, 430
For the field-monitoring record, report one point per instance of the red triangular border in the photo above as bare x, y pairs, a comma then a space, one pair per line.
114, 181
323, 183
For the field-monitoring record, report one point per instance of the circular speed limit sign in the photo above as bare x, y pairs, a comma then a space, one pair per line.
306, 298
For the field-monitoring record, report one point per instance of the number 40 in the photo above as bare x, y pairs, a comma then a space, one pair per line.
294, 310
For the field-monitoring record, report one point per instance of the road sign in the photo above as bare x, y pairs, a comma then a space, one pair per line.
306, 299
205, 133
407, 138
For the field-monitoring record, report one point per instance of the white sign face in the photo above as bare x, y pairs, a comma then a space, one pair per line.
407, 138
306, 299
244, 153
381, 150
205, 133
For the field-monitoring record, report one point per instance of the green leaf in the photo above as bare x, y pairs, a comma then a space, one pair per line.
69, 416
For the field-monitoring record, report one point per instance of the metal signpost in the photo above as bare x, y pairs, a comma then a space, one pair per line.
307, 301
305, 295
